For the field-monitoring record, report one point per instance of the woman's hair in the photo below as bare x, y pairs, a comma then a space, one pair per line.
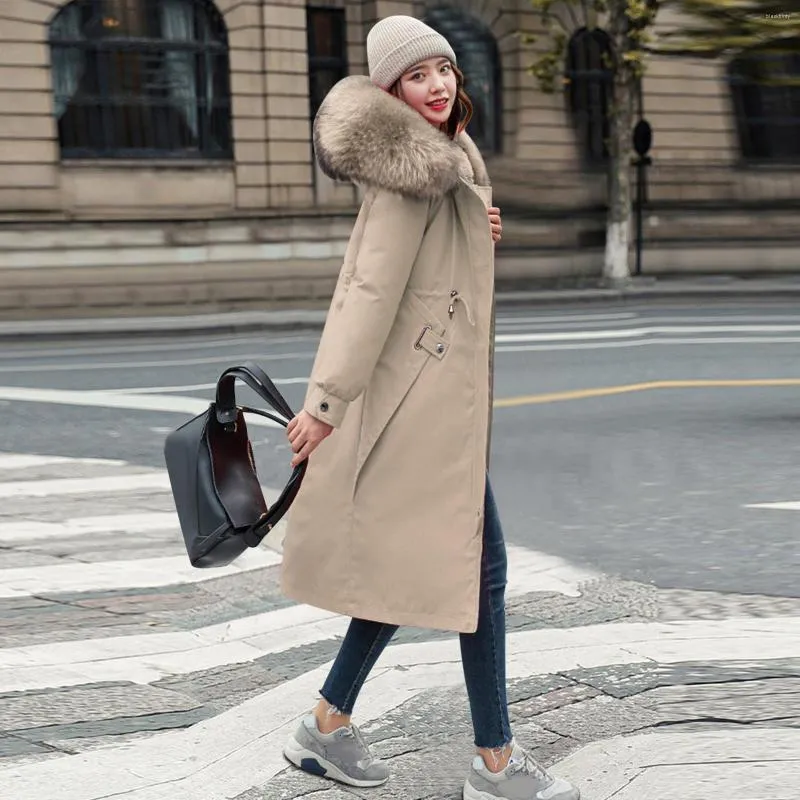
462, 108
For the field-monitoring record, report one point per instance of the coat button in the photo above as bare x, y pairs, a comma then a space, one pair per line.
323, 406
440, 348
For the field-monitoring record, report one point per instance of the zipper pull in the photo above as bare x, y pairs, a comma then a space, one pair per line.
452, 307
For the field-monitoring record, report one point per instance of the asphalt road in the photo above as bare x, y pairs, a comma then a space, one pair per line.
628, 439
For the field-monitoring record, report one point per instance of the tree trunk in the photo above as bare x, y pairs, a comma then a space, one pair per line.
616, 267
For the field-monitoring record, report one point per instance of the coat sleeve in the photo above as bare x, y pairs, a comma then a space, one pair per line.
357, 328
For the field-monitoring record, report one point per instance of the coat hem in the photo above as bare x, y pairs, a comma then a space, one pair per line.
402, 619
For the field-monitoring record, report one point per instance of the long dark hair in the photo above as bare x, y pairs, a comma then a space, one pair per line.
462, 108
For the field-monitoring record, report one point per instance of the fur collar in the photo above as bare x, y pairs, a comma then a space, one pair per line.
366, 135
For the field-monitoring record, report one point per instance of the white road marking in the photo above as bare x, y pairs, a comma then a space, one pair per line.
195, 387
22, 461
649, 330
186, 343
503, 319
645, 343
98, 485
241, 748
29, 530
110, 575
532, 571
147, 658
789, 506
94, 399
660, 319
60, 366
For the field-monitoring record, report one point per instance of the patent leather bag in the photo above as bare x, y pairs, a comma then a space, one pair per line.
212, 472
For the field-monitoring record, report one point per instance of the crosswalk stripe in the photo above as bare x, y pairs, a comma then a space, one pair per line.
98, 485
134, 574
150, 657
31, 530
102, 399
23, 461
646, 330
791, 506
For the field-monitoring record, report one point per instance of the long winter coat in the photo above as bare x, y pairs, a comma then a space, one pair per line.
388, 523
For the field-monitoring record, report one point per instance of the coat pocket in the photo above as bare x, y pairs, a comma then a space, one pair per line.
415, 337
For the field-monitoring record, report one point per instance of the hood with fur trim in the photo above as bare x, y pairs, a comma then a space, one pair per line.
367, 136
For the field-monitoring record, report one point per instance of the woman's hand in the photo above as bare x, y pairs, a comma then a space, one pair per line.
305, 433
495, 224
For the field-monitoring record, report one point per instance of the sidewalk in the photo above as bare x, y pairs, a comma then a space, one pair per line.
640, 290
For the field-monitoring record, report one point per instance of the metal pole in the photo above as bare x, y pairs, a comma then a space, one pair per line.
639, 212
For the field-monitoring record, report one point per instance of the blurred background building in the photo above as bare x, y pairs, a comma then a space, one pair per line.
156, 154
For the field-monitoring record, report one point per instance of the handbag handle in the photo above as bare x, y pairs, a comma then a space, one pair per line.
259, 382
227, 414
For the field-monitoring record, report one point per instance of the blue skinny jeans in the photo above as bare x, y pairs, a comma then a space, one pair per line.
483, 653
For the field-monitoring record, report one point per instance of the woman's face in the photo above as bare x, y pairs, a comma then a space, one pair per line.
430, 88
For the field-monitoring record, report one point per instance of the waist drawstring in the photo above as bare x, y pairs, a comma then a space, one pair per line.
455, 297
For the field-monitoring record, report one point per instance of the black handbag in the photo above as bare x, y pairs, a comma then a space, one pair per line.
212, 472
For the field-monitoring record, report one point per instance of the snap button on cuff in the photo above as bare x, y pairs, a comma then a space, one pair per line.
323, 406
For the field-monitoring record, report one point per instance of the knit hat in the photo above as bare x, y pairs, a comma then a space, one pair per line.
396, 43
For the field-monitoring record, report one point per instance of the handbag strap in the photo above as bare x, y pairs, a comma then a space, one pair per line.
227, 414
255, 535
259, 382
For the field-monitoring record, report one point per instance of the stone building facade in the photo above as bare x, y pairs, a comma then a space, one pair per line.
157, 153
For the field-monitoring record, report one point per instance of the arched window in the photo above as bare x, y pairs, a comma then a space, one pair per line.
589, 89
765, 88
478, 58
141, 79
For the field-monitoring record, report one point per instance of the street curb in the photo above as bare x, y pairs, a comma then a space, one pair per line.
638, 290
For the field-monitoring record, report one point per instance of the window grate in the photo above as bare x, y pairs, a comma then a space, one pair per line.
765, 87
589, 88
479, 59
327, 52
141, 79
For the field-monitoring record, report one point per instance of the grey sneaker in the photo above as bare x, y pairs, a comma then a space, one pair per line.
522, 779
342, 755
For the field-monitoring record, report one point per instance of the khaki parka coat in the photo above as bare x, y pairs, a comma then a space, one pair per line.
388, 523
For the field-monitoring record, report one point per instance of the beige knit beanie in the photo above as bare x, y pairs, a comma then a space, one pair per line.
396, 43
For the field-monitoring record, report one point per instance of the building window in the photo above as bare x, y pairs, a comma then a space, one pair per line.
589, 79
141, 79
478, 58
327, 52
765, 88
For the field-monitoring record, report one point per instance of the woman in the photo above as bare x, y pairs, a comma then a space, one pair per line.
396, 523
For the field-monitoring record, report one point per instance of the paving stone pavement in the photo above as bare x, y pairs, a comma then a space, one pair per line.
426, 736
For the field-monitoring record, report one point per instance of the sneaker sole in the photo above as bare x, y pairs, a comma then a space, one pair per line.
315, 764
471, 793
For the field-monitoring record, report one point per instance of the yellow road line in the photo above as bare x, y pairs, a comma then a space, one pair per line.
606, 391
